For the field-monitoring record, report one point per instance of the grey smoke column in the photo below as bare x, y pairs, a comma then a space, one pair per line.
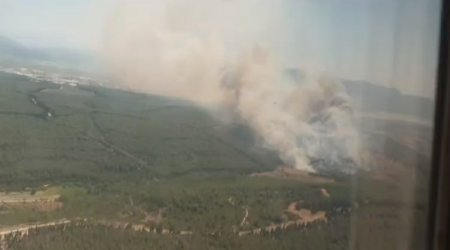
310, 125
167, 50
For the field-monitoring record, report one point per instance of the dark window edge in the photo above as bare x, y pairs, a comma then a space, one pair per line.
438, 237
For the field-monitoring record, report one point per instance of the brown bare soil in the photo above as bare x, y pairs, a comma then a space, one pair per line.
294, 174
40, 201
325, 193
305, 217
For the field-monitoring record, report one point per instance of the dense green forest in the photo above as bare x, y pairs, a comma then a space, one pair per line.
102, 157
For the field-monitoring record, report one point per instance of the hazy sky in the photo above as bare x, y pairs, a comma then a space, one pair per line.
391, 42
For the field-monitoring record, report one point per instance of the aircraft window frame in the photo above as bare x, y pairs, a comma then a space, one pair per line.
439, 207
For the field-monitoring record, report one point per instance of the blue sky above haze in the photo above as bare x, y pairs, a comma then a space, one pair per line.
387, 41
392, 42
49, 23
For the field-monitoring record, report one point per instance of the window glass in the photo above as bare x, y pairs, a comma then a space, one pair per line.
214, 124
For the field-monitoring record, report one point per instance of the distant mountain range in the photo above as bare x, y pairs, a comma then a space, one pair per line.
371, 98
12, 52
368, 97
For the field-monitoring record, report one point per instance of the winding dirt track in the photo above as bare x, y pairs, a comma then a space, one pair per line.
306, 217
22, 230
244, 220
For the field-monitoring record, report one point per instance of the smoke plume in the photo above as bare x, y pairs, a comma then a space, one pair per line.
220, 53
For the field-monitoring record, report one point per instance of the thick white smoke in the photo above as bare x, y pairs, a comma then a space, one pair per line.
219, 53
